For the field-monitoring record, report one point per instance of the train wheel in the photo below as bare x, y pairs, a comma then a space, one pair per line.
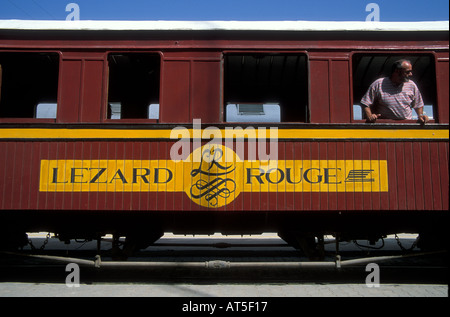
132, 244
306, 243
13, 241
429, 241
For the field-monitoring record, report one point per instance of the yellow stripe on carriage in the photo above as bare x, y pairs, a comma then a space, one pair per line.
334, 134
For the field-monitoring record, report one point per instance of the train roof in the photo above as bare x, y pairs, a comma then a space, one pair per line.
294, 26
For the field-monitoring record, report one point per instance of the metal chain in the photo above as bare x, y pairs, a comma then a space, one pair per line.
402, 247
42, 246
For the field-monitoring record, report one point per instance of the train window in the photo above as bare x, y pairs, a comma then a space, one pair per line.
133, 89
276, 82
28, 81
369, 67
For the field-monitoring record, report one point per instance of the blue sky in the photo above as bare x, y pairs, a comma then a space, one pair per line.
245, 10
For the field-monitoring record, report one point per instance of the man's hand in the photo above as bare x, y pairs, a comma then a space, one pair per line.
423, 118
370, 117
373, 117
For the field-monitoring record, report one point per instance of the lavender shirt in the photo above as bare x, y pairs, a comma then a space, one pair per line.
391, 101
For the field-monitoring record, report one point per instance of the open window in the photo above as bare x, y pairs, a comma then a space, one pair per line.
369, 67
133, 88
28, 84
266, 87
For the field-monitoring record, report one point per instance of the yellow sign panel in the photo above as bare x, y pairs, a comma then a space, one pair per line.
213, 176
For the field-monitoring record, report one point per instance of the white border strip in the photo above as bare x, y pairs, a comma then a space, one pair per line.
223, 25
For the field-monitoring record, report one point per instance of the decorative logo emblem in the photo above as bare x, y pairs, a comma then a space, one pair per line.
213, 181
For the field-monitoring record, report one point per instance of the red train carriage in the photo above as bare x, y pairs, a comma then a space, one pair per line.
141, 128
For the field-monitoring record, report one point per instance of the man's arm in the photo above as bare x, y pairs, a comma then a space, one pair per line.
371, 117
422, 117
370, 99
418, 105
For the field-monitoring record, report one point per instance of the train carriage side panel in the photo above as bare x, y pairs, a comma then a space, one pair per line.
81, 87
186, 95
330, 84
442, 82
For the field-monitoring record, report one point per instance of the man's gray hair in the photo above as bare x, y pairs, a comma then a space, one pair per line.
398, 64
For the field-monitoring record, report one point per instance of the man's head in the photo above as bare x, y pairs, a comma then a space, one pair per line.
401, 71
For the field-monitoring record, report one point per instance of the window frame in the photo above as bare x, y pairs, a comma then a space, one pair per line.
105, 118
58, 90
400, 54
267, 52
